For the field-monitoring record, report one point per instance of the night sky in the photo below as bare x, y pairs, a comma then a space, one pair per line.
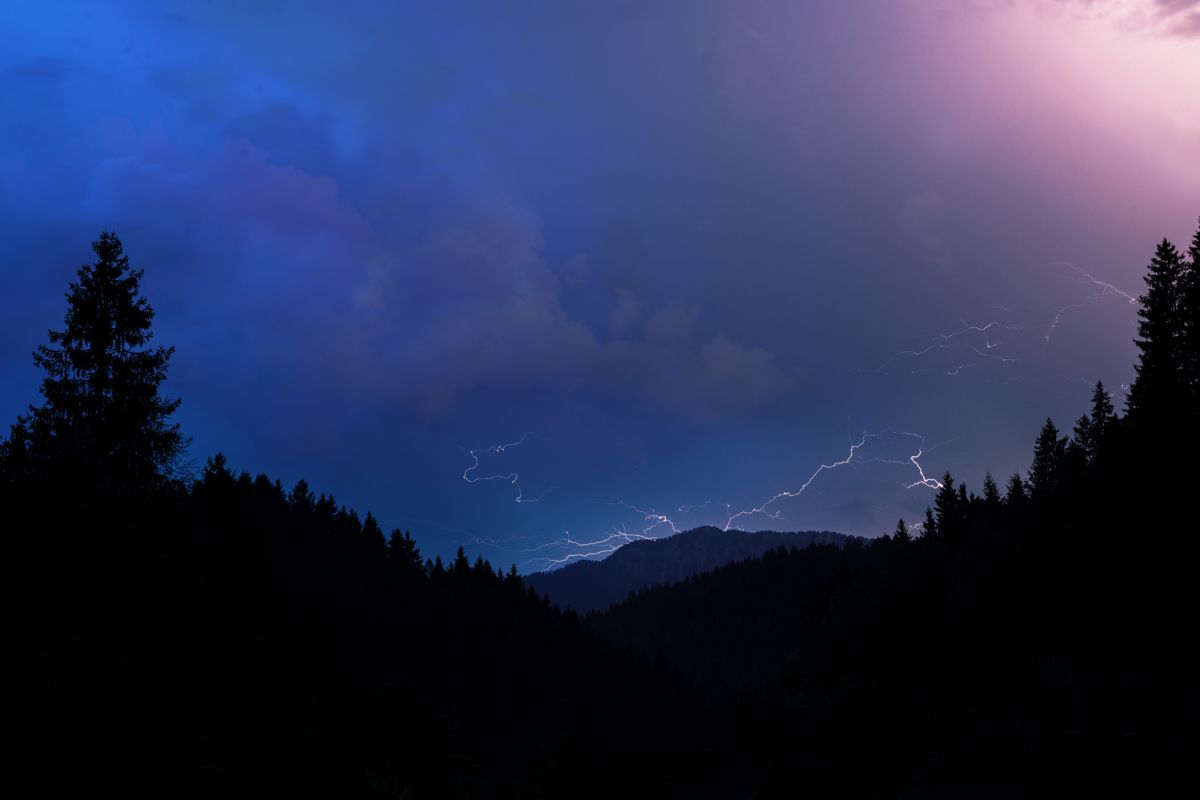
694, 250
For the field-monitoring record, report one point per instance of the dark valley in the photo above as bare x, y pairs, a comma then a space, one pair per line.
599, 400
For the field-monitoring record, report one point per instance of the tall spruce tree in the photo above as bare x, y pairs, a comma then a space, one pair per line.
1083, 441
991, 492
1103, 417
103, 421
1048, 455
946, 505
1190, 321
929, 528
1094, 430
1160, 365
1015, 494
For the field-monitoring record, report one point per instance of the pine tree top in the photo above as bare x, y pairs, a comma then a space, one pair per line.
103, 418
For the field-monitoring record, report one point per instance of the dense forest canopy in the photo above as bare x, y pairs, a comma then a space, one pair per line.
217, 633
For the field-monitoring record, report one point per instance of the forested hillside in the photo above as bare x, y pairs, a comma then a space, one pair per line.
215, 633
596, 585
1040, 630
224, 635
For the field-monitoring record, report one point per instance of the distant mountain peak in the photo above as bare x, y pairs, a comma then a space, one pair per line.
595, 585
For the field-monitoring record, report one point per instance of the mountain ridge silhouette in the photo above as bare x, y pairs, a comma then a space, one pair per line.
595, 585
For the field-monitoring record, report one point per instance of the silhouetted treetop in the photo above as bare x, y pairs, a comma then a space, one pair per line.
1015, 493
1048, 455
1159, 333
991, 492
103, 420
1190, 320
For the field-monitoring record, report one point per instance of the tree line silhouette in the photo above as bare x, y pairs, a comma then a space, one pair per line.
205, 631
1013, 642
220, 634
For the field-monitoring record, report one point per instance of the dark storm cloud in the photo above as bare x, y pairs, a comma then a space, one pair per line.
415, 317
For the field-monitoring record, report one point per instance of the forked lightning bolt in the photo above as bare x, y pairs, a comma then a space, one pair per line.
513, 478
1104, 289
607, 544
852, 457
656, 525
979, 339
960, 339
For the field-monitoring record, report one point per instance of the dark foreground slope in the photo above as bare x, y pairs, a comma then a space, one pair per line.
231, 639
1025, 642
732, 630
595, 585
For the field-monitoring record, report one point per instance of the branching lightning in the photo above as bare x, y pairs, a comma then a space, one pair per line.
688, 508
982, 340
981, 329
1104, 289
958, 340
607, 544
653, 517
576, 548
513, 478
977, 346
852, 457
654, 524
